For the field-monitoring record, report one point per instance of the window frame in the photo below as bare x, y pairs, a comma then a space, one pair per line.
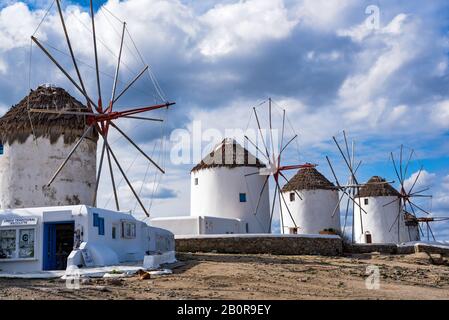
292, 197
242, 197
123, 229
16, 254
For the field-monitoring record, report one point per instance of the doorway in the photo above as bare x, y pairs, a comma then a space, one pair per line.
368, 237
58, 243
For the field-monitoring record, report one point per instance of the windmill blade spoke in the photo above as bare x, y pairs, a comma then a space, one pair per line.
346, 216
431, 232
285, 203
271, 127
56, 63
416, 180
418, 207
117, 70
288, 143
143, 118
387, 204
346, 160
137, 147
61, 112
420, 229
395, 220
94, 38
333, 172
261, 193
257, 148
86, 132
282, 137
338, 204
272, 208
69, 44
296, 191
400, 165
261, 135
126, 178
129, 85
111, 172
420, 191
408, 162
396, 170
358, 166
252, 174
347, 148
97, 183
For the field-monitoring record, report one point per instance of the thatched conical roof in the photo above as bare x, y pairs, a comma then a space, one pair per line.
229, 154
18, 123
377, 187
308, 179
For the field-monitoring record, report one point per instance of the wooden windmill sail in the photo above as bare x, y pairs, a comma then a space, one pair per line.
408, 196
100, 117
272, 150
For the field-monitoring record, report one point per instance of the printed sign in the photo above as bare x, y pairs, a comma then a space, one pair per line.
18, 222
88, 261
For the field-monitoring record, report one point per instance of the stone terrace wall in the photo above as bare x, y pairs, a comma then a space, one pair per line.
262, 243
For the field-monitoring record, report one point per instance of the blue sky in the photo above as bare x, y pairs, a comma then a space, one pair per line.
386, 85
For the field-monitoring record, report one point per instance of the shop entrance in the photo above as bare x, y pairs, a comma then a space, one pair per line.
58, 243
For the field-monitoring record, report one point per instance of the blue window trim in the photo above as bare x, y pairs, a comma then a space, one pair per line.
242, 197
101, 226
96, 218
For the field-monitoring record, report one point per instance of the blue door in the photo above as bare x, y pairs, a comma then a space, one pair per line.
58, 243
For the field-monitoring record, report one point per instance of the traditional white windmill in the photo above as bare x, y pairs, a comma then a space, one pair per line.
313, 212
27, 164
98, 119
223, 185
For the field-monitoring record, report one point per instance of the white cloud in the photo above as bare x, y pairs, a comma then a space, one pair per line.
242, 25
440, 114
425, 179
323, 14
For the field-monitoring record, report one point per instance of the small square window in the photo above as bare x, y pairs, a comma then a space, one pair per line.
242, 197
1, 149
292, 196
196, 181
366, 201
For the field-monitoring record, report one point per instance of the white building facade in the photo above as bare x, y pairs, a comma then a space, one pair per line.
32, 147
53, 238
311, 204
384, 220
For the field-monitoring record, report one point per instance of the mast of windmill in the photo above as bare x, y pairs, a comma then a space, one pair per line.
98, 118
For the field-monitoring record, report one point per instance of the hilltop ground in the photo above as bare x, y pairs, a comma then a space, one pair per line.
219, 276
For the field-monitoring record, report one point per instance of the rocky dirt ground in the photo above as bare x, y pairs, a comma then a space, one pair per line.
219, 276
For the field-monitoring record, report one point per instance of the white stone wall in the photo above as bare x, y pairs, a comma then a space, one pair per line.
188, 225
217, 195
313, 213
378, 221
26, 168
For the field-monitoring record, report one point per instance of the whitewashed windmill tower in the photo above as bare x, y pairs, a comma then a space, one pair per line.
380, 201
226, 184
34, 144
313, 203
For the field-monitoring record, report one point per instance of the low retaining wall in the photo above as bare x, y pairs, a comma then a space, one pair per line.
327, 245
391, 248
